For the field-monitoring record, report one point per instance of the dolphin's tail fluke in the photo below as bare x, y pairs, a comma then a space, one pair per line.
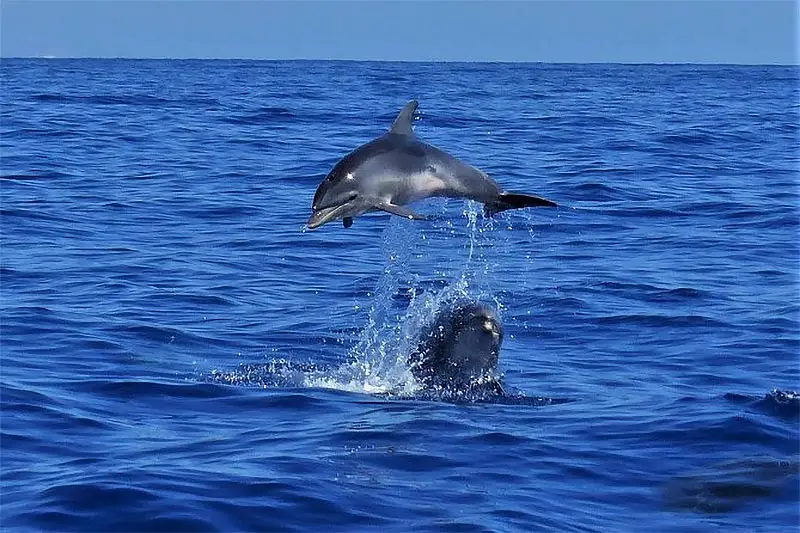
510, 200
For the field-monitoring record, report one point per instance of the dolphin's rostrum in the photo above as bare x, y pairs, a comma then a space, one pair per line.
396, 169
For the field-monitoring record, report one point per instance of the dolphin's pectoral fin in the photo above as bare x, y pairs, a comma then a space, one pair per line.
347, 222
399, 211
402, 124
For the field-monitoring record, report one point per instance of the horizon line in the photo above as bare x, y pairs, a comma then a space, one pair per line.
341, 60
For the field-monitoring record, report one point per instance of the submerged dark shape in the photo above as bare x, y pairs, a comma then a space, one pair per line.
459, 351
397, 169
729, 486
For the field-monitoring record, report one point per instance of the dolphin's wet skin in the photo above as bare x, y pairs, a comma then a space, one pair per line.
397, 169
459, 351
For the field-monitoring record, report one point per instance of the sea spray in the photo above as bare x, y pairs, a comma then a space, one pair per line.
378, 361
406, 298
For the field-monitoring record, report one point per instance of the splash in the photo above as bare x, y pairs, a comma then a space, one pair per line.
407, 297
378, 361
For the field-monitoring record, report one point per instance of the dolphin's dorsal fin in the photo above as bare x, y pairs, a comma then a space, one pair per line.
402, 124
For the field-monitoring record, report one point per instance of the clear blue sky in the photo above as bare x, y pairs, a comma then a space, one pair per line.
669, 31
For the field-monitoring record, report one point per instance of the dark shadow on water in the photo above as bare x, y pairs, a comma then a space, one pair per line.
732, 485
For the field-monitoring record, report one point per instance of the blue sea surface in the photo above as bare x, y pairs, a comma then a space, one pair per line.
178, 354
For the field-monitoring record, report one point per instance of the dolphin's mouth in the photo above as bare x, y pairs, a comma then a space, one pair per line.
323, 216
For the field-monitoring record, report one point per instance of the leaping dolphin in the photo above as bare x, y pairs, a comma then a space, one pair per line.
396, 169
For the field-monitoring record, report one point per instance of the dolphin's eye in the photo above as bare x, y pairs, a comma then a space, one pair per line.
352, 196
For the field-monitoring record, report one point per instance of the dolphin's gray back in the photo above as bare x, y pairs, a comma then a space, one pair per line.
407, 169
461, 179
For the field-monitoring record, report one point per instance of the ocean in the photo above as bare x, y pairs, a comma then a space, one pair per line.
178, 354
